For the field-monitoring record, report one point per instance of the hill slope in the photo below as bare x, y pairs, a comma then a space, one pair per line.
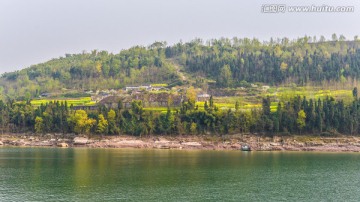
230, 62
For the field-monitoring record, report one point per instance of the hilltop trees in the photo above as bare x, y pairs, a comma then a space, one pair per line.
221, 63
229, 62
91, 71
225, 77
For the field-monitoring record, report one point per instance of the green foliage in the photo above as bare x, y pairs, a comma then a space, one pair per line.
91, 71
237, 106
355, 92
191, 94
113, 128
102, 125
301, 119
295, 116
39, 125
193, 128
231, 62
165, 123
80, 122
225, 77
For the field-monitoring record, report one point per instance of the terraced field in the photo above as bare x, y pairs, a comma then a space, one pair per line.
285, 94
246, 101
75, 102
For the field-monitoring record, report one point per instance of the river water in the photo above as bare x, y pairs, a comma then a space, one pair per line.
80, 174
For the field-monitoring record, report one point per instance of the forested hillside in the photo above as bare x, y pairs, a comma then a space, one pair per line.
230, 62
225, 63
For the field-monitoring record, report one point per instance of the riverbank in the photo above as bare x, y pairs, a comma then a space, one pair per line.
228, 142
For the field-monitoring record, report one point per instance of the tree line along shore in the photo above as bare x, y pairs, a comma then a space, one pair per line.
299, 115
218, 64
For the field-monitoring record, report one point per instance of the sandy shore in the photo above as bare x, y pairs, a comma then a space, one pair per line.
228, 142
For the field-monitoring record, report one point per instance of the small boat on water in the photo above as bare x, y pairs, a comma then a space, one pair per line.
245, 148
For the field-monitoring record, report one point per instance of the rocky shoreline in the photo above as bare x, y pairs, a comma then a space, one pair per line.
228, 142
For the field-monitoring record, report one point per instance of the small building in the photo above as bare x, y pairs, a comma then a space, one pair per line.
146, 87
136, 88
89, 91
111, 102
203, 97
132, 88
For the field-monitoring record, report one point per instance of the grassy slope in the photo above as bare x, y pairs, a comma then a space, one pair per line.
248, 98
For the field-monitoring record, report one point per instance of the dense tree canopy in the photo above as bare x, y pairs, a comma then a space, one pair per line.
226, 62
297, 116
230, 62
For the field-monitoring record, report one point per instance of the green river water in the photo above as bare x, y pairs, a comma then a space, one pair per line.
80, 174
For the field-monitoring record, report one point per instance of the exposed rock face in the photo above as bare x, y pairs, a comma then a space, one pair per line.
233, 142
314, 144
20, 142
44, 144
166, 144
80, 141
132, 143
63, 144
192, 144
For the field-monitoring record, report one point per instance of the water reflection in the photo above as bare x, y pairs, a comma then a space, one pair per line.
51, 174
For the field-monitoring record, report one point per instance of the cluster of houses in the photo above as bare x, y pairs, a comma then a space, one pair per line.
156, 95
203, 97
145, 93
147, 88
148, 99
163, 99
